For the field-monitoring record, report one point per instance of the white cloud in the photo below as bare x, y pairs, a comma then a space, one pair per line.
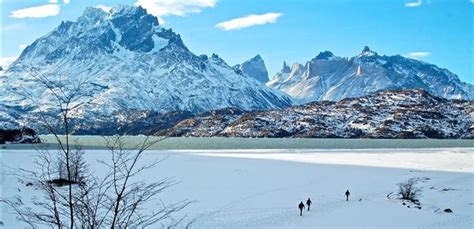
6, 61
416, 3
66, 1
37, 11
417, 55
104, 8
53, 1
161, 8
22, 46
248, 21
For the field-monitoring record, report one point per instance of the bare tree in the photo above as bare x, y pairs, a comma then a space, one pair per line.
408, 190
116, 199
78, 167
48, 208
66, 99
129, 195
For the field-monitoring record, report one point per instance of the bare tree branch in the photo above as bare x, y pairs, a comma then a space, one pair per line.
72, 194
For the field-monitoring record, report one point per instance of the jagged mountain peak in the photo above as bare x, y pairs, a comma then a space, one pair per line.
93, 14
296, 67
326, 55
285, 68
97, 32
216, 59
128, 10
366, 73
367, 52
255, 68
256, 58
132, 13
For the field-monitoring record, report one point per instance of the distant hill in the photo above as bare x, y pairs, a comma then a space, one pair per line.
386, 114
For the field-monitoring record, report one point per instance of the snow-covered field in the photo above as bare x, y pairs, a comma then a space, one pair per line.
262, 188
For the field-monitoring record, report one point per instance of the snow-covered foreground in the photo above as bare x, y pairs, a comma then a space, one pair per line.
261, 188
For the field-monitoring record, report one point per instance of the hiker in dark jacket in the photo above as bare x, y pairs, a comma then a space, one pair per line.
301, 207
308, 203
347, 195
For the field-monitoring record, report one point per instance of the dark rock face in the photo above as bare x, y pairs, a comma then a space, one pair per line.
285, 68
23, 135
387, 114
136, 28
324, 55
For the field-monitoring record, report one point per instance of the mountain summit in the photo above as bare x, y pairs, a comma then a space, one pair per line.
328, 77
129, 62
98, 33
367, 52
254, 68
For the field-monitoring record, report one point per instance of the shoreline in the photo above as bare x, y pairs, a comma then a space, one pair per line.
221, 143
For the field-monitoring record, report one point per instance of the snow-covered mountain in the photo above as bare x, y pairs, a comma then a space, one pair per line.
328, 77
254, 68
127, 62
387, 114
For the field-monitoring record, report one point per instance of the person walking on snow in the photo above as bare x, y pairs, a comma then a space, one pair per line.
308, 203
301, 207
347, 195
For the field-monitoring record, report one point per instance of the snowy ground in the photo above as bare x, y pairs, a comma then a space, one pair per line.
261, 188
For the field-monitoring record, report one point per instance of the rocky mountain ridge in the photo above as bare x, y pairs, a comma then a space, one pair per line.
386, 114
329, 77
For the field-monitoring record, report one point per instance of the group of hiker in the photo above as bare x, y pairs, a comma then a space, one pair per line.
301, 206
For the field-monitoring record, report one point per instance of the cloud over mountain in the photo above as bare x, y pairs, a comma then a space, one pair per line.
249, 21
37, 11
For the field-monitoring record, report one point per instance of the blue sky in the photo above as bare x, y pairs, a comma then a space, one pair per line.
435, 31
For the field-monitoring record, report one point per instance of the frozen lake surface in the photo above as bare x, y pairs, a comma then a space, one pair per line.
255, 188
